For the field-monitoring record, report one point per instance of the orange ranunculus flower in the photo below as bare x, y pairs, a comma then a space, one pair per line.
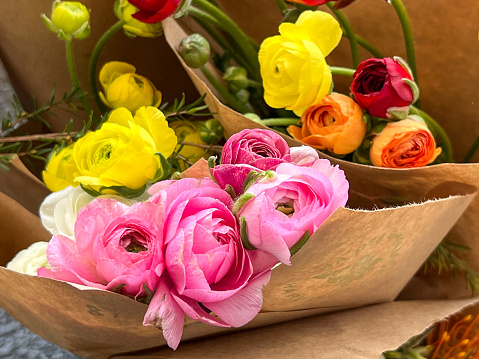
404, 144
334, 124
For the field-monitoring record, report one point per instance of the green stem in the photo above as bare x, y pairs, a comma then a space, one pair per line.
348, 30
408, 35
282, 6
73, 74
241, 39
202, 19
94, 61
471, 152
342, 71
438, 133
279, 121
365, 44
229, 98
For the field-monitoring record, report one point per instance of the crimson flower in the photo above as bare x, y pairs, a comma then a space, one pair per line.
153, 11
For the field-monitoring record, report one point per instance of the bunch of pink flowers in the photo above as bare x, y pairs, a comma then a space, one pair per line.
204, 247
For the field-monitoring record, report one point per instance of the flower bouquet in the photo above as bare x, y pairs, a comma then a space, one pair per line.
371, 128
146, 231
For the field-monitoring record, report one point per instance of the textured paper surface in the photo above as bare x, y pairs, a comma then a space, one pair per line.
372, 187
362, 333
356, 258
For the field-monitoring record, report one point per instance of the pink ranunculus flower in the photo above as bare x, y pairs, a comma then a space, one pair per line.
116, 248
299, 200
207, 267
263, 149
232, 175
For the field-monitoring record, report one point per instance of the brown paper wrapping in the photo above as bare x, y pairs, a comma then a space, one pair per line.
356, 258
362, 333
376, 187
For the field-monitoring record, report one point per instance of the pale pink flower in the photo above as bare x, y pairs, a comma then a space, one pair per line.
116, 248
299, 200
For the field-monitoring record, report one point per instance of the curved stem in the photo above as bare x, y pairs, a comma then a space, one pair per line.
241, 39
471, 152
282, 6
342, 71
73, 74
279, 121
348, 30
229, 98
94, 61
365, 44
438, 132
199, 14
408, 35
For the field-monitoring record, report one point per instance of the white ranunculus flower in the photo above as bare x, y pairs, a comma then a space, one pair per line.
29, 260
59, 210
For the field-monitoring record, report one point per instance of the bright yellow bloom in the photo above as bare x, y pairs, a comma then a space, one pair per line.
123, 152
187, 131
293, 66
60, 169
134, 27
124, 88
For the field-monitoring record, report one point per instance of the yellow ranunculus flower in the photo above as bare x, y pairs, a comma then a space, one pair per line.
124, 88
187, 131
69, 19
60, 170
293, 66
134, 27
123, 151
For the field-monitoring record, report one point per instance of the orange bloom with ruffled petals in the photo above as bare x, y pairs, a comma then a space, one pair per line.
334, 124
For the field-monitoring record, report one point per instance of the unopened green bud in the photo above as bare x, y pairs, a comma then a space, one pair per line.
70, 19
236, 78
195, 51
133, 27
242, 96
211, 131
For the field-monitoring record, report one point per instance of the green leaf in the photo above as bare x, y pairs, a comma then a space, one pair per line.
294, 249
164, 170
124, 191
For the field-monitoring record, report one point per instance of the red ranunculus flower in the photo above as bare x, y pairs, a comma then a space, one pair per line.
153, 11
339, 3
378, 86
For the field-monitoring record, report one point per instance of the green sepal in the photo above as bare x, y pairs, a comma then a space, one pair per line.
182, 10
165, 169
361, 155
49, 23
294, 249
117, 288
404, 65
90, 191
376, 130
241, 201
125, 192
244, 235
397, 113
212, 164
414, 89
249, 180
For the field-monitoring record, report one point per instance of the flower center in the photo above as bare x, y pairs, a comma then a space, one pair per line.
286, 207
133, 242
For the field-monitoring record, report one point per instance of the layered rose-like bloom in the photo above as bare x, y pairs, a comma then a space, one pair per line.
379, 87
124, 88
293, 66
123, 152
60, 170
153, 11
116, 248
334, 124
262, 149
205, 261
29, 260
299, 200
404, 144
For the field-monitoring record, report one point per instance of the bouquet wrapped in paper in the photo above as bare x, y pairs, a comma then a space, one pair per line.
144, 243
